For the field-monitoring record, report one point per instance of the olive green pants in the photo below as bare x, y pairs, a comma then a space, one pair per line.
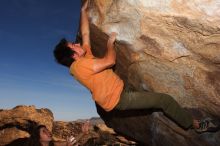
131, 100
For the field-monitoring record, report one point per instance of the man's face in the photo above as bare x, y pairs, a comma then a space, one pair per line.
45, 135
79, 52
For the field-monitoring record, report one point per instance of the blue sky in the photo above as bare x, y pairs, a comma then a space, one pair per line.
29, 30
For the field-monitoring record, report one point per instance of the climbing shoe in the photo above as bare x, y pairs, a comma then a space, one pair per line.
208, 125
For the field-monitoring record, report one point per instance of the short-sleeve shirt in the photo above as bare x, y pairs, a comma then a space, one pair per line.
105, 86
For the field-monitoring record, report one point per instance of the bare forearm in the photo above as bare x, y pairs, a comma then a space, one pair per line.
84, 22
110, 57
111, 54
85, 26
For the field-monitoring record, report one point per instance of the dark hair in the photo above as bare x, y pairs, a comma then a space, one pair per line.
63, 53
34, 139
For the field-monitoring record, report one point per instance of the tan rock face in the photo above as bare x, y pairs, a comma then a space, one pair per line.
169, 46
10, 134
63, 130
98, 134
15, 123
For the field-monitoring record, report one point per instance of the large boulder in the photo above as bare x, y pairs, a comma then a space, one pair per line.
168, 46
18, 122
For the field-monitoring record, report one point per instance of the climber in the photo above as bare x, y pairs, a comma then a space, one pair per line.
108, 90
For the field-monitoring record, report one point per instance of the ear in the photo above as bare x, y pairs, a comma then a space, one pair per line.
75, 56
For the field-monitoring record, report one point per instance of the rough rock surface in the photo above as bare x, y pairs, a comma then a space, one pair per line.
173, 46
62, 130
168, 46
17, 122
99, 133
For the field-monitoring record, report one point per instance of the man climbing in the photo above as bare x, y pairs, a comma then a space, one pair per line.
108, 89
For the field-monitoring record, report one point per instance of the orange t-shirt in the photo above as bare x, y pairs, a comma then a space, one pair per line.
105, 86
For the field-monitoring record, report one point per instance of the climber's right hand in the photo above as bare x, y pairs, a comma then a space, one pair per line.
112, 37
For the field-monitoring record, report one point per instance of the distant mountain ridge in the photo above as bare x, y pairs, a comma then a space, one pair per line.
93, 120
